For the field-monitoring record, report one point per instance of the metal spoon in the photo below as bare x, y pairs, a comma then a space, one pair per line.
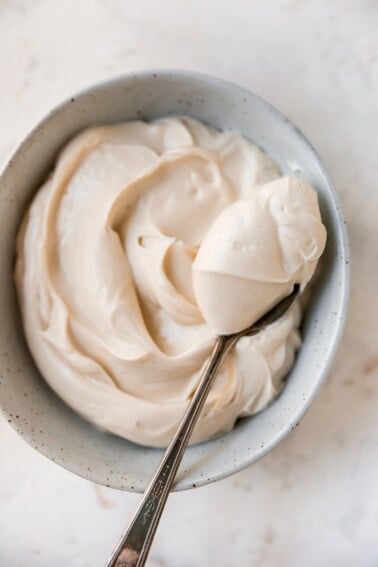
133, 548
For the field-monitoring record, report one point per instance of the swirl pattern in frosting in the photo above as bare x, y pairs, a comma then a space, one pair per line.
146, 240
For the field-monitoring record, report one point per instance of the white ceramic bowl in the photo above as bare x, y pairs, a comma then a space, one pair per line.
29, 405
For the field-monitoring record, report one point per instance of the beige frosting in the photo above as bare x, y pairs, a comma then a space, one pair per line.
104, 270
255, 251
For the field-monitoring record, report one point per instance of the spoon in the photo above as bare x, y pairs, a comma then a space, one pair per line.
133, 548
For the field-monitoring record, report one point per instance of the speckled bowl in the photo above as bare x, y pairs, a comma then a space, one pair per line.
29, 405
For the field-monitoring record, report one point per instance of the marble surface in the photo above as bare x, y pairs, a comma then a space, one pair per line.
314, 500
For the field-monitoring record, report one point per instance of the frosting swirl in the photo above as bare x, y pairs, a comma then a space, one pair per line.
118, 258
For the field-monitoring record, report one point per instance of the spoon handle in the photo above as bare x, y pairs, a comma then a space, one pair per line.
133, 548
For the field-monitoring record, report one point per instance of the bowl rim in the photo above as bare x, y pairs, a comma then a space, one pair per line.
342, 237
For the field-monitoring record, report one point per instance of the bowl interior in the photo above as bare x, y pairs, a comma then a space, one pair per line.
28, 403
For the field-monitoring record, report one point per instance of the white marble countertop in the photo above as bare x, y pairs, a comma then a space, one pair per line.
314, 500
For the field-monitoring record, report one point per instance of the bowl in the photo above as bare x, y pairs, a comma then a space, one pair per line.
32, 408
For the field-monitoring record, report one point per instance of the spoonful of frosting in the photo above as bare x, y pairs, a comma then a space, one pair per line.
255, 251
247, 273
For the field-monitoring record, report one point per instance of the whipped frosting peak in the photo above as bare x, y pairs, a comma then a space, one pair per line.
126, 253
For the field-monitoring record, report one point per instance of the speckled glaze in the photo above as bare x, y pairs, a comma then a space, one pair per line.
36, 413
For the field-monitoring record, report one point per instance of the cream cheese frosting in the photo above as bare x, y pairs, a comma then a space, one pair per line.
255, 251
147, 240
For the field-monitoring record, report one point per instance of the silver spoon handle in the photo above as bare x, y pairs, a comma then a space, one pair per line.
133, 548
